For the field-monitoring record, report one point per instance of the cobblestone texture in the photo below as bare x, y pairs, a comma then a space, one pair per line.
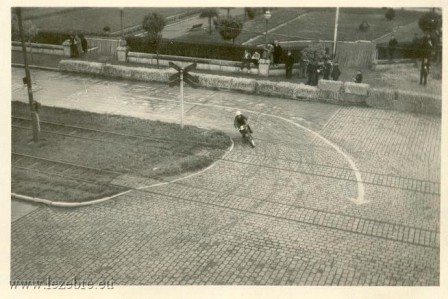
278, 214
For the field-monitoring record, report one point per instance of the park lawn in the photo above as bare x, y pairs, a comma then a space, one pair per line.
91, 20
320, 24
170, 152
251, 28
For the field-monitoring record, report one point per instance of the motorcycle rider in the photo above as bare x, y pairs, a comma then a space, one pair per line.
241, 120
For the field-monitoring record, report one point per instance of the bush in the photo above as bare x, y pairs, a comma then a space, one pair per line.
106, 29
390, 14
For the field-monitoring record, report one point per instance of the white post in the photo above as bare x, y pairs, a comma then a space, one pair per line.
335, 31
182, 98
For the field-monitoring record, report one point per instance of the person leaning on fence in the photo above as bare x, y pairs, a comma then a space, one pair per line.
289, 63
392, 46
336, 72
83, 43
358, 77
246, 61
255, 58
78, 44
424, 71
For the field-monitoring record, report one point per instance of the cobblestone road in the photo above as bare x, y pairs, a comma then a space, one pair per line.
279, 214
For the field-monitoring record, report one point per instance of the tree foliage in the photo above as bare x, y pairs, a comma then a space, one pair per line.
30, 30
229, 28
390, 14
209, 13
430, 22
250, 12
153, 24
314, 52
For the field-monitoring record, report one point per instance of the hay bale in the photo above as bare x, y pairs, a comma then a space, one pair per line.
356, 88
214, 81
81, 67
408, 101
381, 98
334, 86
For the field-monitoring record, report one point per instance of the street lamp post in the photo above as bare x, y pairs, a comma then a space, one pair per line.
121, 18
267, 16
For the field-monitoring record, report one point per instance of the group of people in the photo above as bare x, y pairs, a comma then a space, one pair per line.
312, 69
328, 69
273, 52
78, 45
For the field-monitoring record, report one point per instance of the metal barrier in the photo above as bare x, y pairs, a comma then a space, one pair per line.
102, 46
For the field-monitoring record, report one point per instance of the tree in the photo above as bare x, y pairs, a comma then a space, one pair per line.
30, 31
390, 14
229, 28
315, 51
209, 13
249, 12
153, 24
430, 22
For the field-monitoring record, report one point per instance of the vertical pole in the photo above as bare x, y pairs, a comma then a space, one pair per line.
182, 98
121, 17
266, 34
335, 32
34, 116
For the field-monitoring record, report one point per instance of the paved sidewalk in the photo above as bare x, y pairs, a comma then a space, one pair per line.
279, 214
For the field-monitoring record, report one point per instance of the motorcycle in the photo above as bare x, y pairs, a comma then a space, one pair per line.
244, 130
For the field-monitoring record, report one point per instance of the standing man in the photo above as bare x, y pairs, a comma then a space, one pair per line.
392, 46
277, 52
424, 71
289, 64
336, 72
327, 68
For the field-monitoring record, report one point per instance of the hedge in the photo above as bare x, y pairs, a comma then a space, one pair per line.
58, 37
197, 50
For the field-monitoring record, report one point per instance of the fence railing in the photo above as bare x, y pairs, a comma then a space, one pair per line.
102, 46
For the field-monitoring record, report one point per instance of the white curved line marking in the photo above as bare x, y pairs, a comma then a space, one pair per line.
360, 199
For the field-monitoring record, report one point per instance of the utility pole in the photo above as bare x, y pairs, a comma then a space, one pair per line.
33, 105
335, 32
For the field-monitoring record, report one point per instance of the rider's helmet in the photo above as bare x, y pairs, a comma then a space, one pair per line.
238, 113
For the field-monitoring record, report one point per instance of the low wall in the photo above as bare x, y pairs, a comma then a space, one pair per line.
335, 92
224, 66
39, 48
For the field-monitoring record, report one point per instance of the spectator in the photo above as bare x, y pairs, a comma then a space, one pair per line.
358, 77
246, 61
73, 48
392, 46
327, 69
255, 58
336, 72
277, 52
303, 67
83, 43
289, 64
78, 44
318, 73
310, 72
267, 52
424, 71
427, 47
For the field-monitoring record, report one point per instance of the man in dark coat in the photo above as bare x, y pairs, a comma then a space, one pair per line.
327, 69
424, 71
289, 64
336, 72
392, 46
83, 43
277, 52
310, 72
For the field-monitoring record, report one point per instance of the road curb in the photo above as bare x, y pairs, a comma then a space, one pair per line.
44, 68
101, 200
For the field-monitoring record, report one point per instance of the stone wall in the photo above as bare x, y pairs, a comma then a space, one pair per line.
39, 48
335, 92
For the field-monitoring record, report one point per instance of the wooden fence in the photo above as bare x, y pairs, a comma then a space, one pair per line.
102, 46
